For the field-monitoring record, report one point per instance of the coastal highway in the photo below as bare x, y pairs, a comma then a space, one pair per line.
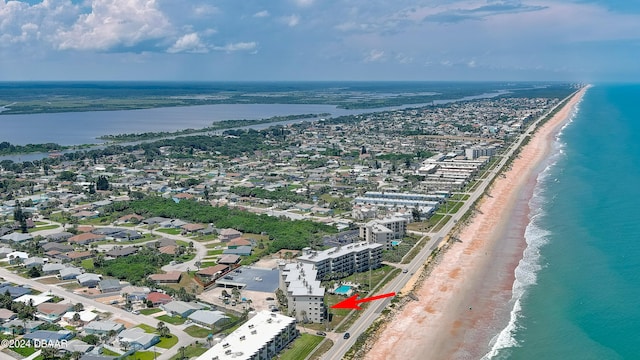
183, 338
341, 346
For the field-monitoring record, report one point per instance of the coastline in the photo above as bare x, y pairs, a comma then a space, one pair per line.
461, 305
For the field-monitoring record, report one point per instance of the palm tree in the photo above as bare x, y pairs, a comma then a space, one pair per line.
182, 350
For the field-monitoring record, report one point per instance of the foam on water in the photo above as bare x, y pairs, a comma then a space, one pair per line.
536, 237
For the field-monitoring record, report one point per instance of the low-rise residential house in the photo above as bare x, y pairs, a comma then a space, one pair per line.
209, 318
77, 346
135, 293
109, 285
181, 308
59, 237
237, 242
102, 327
52, 268
48, 336
19, 326
63, 248
89, 279
172, 277
229, 259
137, 338
191, 228
14, 291
85, 238
33, 262
4, 251
135, 218
120, 252
240, 250
16, 238
158, 298
69, 273
86, 316
213, 272
127, 235
228, 234
168, 250
52, 312
6, 315
78, 255
34, 300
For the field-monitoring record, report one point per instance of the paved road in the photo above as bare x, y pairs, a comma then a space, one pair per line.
184, 339
373, 311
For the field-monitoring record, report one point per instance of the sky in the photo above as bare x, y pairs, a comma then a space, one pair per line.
326, 40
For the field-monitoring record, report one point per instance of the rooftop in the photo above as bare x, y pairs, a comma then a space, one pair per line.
249, 338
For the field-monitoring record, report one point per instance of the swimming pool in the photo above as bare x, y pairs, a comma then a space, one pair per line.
343, 290
395, 243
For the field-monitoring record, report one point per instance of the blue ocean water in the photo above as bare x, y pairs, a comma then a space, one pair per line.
578, 286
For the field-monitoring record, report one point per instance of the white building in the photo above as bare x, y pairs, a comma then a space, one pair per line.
305, 296
384, 231
260, 338
345, 260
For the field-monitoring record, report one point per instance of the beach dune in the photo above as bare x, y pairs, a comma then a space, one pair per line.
465, 301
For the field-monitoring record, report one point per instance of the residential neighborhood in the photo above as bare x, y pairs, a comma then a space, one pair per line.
192, 252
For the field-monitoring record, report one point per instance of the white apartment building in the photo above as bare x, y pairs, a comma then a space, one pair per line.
305, 296
345, 260
384, 231
260, 338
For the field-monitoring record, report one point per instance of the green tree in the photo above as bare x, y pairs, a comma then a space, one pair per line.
34, 272
102, 183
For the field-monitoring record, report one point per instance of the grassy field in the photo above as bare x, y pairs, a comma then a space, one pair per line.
214, 252
414, 251
143, 355
191, 351
171, 231
167, 342
197, 331
188, 283
147, 328
175, 320
323, 348
44, 227
302, 346
442, 223
87, 264
150, 311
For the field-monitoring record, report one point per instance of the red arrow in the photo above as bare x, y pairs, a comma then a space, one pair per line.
352, 303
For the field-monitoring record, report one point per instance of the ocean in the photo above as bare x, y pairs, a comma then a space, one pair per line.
577, 288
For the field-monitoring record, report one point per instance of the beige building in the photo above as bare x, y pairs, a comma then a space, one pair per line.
305, 295
344, 260
384, 231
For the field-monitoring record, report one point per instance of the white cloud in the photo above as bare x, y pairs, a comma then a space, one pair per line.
261, 14
403, 59
190, 43
205, 9
374, 56
291, 20
113, 23
303, 3
239, 46
472, 64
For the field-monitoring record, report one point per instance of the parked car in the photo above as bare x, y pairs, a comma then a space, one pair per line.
320, 333
346, 336
270, 298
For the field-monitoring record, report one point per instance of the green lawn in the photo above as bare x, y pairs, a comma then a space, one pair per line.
197, 331
214, 252
45, 227
143, 355
302, 346
150, 311
24, 351
87, 264
175, 320
191, 351
107, 352
167, 342
147, 328
170, 231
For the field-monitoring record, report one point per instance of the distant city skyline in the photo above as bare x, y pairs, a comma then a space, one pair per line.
311, 40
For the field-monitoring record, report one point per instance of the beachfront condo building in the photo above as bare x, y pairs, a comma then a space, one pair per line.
260, 338
384, 231
305, 296
344, 260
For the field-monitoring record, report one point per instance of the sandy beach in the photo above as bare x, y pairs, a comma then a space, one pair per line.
464, 302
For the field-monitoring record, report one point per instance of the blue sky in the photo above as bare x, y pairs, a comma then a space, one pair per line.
320, 40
